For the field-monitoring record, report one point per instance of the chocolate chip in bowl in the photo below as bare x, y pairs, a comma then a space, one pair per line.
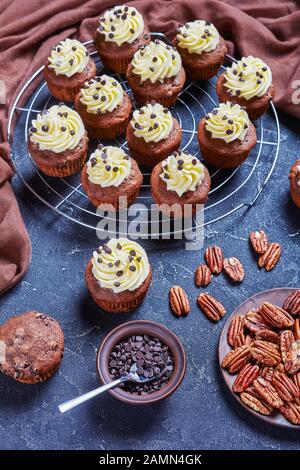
154, 349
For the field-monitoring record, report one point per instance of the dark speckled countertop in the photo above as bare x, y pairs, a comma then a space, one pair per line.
201, 414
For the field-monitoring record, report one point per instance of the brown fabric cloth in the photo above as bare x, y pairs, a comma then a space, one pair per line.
269, 30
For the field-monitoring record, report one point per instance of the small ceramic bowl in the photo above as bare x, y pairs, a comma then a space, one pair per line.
153, 329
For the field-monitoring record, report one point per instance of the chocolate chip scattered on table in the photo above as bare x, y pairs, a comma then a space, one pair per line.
152, 357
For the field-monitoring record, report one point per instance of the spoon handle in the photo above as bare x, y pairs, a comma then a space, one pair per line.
68, 405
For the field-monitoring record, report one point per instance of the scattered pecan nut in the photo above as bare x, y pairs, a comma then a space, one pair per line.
276, 316
211, 307
202, 276
267, 335
285, 343
270, 258
259, 241
234, 269
297, 328
253, 401
214, 258
291, 411
179, 301
236, 359
255, 322
292, 358
245, 378
292, 303
265, 353
285, 386
296, 379
267, 392
235, 328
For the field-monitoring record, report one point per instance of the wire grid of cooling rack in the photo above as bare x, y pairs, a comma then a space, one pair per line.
231, 189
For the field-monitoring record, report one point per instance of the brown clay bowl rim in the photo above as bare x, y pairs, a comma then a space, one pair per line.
143, 327
276, 296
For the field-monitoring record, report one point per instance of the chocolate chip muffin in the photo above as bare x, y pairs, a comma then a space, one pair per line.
31, 347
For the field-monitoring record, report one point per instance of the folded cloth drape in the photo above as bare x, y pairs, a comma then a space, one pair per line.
269, 30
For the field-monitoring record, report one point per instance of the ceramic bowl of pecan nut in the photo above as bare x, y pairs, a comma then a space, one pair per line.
259, 355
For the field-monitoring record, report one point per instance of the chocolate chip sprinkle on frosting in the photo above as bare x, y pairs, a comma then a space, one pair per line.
228, 122
101, 94
182, 172
152, 122
121, 24
108, 166
120, 265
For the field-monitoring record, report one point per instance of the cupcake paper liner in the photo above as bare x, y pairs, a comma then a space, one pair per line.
70, 168
223, 161
97, 201
107, 133
117, 65
206, 73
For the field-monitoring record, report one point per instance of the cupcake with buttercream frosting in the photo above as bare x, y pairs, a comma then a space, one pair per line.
118, 275
67, 68
104, 107
226, 136
57, 141
156, 73
110, 177
152, 134
247, 82
201, 48
120, 33
180, 184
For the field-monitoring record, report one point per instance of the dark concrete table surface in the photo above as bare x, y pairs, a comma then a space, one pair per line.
201, 414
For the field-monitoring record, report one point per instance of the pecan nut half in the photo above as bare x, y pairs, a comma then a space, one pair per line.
292, 303
291, 411
267, 335
296, 379
234, 269
265, 353
252, 400
245, 378
179, 301
276, 316
235, 328
285, 343
285, 386
297, 328
202, 276
292, 358
214, 258
236, 359
259, 241
270, 258
211, 307
267, 373
267, 392
255, 322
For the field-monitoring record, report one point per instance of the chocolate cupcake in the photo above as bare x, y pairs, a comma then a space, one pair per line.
226, 136
156, 73
153, 134
104, 107
31, 347
180, 180
109, 175
118, 275
201, 48
120, 33
295, 183
67, 68
58, 141
247, 82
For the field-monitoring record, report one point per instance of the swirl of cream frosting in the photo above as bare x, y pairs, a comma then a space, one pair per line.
68, 57
101, 94
152, 122
227, 122
108, 166
182, 172
121, 24
58, 128
120, 265
249, 77
156, 62
198, 36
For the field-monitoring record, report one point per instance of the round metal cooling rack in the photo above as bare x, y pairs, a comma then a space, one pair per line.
231, 190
